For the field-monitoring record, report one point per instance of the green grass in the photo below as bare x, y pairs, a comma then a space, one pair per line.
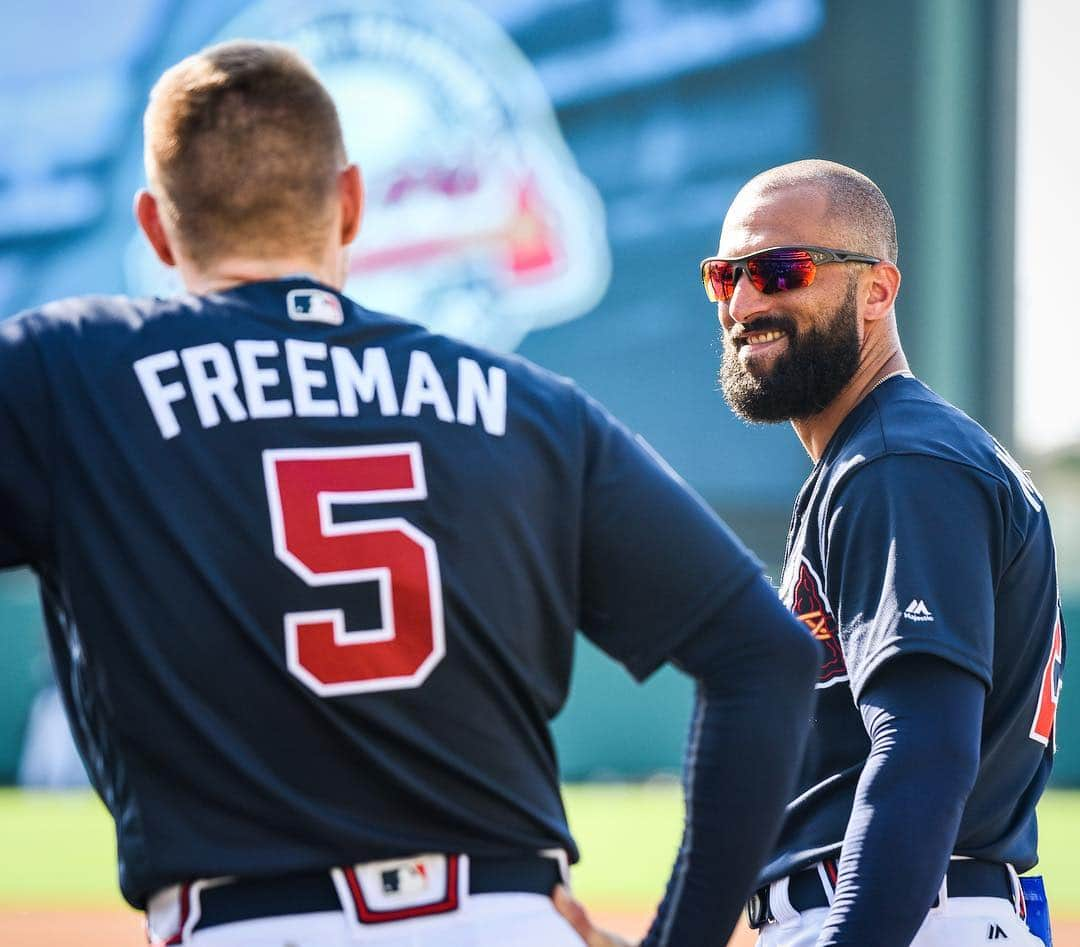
59, 848
628, 836
1059, 850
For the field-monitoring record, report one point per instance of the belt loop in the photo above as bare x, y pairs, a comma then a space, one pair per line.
780, 902
1018, 892
188, 900
562, 860
166, 915
943, 893
463, 873
194, 912
828, 879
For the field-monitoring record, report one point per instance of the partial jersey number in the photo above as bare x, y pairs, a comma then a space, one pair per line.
302, 487
1042, 727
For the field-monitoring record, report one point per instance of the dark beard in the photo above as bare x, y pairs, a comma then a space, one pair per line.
806, 378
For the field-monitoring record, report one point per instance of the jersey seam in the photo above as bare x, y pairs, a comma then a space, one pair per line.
909, 452
688, 837
61, 591
51, 450
901, 452
587, 465
826, 510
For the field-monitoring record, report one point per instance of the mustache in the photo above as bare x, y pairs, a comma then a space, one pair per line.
762, 324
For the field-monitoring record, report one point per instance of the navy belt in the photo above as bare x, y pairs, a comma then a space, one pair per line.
248, 899
966, 878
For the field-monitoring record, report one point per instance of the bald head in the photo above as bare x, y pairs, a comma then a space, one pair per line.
835, 206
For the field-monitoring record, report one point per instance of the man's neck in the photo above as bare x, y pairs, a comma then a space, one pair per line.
816, 431
222, 275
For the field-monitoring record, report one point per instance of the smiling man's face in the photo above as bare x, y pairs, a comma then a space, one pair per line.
787, 355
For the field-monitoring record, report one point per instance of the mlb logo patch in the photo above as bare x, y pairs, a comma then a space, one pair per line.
314, 305
395, 890
408, 879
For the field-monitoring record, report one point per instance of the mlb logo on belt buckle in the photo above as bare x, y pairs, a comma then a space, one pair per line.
314, 305
378, 892
406, 879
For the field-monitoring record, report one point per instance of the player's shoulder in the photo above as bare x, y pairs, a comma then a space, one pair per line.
905, 418
906, 436
86, 315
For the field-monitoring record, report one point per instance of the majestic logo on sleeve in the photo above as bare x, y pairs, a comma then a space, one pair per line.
809, 605
917, 611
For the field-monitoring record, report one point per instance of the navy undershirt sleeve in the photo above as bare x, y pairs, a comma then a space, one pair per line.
755, 667
924, 718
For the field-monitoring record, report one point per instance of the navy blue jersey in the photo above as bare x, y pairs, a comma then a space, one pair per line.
917, 533
311, 574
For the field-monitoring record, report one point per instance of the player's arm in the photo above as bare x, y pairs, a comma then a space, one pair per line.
754, 667
664, 580
914, 544
924, 719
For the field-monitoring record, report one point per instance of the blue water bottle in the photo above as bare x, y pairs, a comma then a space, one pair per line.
1038, 911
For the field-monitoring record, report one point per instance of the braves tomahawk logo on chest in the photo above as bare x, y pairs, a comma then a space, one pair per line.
807, 601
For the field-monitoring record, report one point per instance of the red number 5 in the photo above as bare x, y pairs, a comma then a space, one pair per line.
302, 487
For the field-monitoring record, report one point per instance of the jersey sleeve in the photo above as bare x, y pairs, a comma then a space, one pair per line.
910, 545
656, 560
24, 426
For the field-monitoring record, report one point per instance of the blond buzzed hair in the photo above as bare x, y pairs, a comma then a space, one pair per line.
243, 151
855, 201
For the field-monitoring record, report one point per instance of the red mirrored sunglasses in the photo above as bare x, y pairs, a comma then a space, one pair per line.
773, 270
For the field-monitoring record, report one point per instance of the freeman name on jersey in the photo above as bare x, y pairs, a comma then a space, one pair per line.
241, 385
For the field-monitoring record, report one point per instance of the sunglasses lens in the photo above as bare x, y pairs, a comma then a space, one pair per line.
778, 270
719, 279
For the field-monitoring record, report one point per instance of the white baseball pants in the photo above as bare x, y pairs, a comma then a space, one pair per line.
525, 920
957, 922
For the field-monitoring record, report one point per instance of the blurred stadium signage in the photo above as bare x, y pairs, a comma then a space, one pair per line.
478, 222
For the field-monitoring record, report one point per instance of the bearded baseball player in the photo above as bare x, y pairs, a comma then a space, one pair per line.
312, 574
920, 556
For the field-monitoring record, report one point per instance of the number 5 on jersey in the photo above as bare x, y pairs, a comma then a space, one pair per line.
303, 486
1042, 727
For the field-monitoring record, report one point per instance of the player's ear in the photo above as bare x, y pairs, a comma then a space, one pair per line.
149, 218
351, 191
879, 288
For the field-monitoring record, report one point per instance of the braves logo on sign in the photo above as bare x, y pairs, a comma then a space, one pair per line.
477, 222
808, 604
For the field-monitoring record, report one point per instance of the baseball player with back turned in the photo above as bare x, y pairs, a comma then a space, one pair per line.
920, 555
312, 574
